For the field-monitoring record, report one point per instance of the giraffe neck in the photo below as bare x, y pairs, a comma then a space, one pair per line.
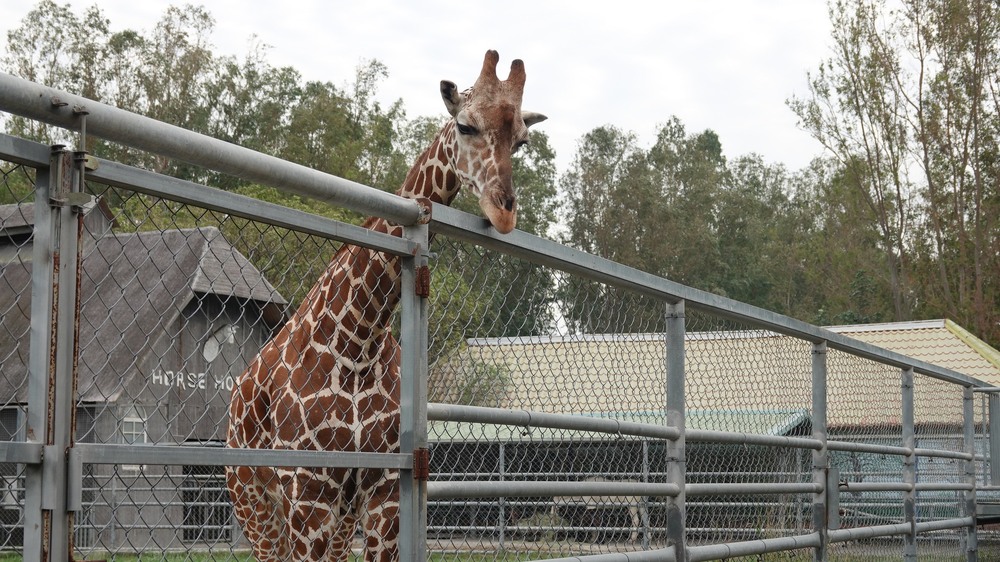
349, 309
433, 174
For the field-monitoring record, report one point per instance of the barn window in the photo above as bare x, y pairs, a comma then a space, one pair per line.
133, 432
134, 426
207, 508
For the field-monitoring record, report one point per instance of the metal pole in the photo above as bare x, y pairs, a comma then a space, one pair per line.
455, 489
909, 466
36, 522
503, 501
53, 356
675, 412
413, 399
644, 514
28, 99
969, 439
994, 405
821, 456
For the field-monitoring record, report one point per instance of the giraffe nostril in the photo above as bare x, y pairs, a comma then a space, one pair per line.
509, 204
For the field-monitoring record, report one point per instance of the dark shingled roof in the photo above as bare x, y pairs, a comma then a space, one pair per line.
15, 217
133, 287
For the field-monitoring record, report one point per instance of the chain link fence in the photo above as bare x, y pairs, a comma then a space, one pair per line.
559, 423
174, 304
17, 193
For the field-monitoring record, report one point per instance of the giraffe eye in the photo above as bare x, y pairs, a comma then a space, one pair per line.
519, 144
466, 129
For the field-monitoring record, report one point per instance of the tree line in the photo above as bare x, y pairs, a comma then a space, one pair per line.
897, 220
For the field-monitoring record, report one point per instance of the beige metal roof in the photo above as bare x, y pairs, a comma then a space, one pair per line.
622, 375
941, 342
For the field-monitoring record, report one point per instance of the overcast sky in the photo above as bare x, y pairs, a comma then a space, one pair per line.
726, 65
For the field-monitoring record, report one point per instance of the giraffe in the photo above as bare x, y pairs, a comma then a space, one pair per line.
329, 379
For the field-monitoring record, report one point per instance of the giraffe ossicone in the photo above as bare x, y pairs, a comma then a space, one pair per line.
329, 380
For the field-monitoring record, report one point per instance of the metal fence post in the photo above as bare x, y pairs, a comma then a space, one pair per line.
502, 522
52, 361
39, 363
969, 442
676, 455
821, 456
909, 466
413, 399
994, 442
644, 514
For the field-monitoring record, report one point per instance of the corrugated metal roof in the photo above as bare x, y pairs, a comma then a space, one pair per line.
941, 342
730, 371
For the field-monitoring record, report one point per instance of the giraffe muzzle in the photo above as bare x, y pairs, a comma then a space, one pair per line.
501, 211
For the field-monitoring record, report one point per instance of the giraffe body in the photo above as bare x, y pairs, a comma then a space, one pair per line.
329, 380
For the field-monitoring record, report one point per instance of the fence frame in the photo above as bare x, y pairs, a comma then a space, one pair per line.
53, 461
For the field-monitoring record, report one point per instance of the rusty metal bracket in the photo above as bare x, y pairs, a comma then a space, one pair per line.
423, 282
80, 202
421, 464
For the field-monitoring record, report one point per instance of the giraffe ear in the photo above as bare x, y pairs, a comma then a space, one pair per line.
452, 99
531, 118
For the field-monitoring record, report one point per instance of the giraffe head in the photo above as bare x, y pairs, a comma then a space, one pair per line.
490, 127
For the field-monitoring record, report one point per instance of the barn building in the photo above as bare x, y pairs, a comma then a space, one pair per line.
748, 381
167, 320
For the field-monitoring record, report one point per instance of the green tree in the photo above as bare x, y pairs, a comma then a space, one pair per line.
833, 241
655, 210
954, 114
610, 201
380, 162
749, 212
166, 75
346, 132
857, 111
691, 172
909, 107
865, 309
251, 101
53, 46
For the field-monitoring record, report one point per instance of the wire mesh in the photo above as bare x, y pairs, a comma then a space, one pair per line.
509, 334
747, 380
939, 424
154, 508
16, 215
865, 405
599, 351
176, 302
